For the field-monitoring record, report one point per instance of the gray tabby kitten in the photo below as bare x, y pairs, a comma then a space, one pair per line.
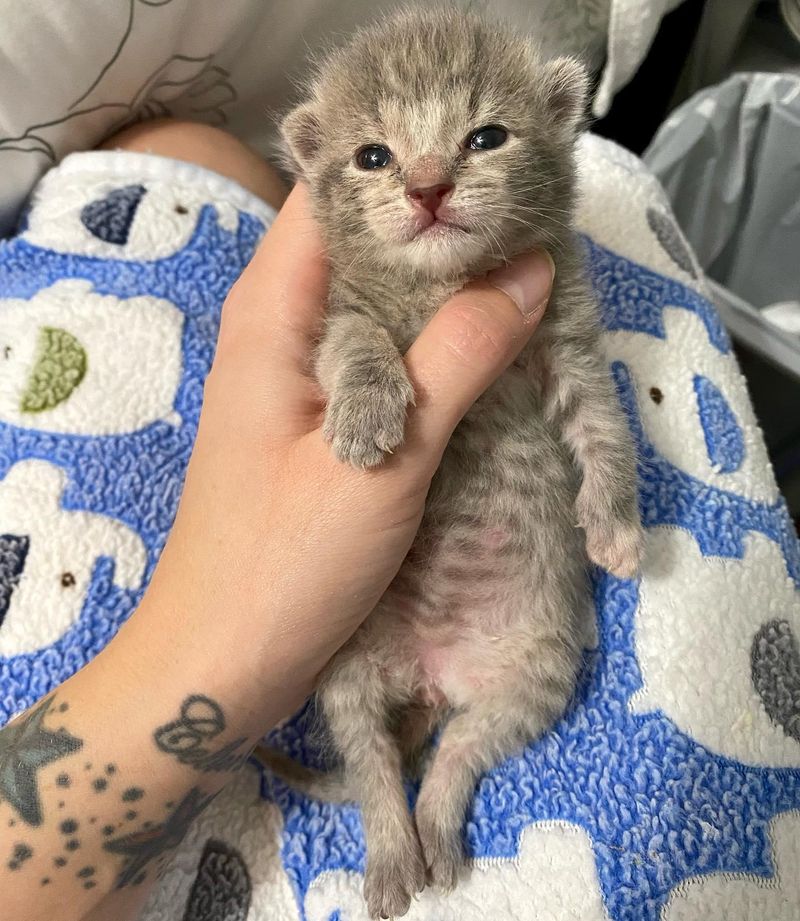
437, 146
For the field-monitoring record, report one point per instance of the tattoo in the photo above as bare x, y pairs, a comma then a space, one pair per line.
99, 784
72, 845
25, 747
68, 826
200, 721
62, 780
140, 848
22, 852
132, 794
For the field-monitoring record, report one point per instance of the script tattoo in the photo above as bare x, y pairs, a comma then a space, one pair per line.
26, 747
201, 720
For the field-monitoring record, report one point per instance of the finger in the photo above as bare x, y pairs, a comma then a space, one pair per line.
471, 340
275, 309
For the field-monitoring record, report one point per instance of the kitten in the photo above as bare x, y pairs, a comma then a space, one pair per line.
424, 121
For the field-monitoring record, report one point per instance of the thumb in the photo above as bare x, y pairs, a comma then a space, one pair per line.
471, 340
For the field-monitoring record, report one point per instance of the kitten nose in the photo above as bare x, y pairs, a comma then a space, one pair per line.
429, 197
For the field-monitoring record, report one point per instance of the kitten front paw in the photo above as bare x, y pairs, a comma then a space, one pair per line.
616, 546
393, 879
365, 422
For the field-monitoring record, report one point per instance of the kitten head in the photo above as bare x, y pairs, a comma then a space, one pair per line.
440, 144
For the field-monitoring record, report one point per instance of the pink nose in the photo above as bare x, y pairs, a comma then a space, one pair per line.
430, 197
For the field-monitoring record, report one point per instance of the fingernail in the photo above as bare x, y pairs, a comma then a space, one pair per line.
527, 281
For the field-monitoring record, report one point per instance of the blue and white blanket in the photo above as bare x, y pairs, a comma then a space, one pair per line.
671, 789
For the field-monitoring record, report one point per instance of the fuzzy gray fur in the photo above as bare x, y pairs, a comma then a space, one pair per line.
486, 621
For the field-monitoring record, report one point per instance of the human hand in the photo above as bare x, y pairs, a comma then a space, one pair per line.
279, 551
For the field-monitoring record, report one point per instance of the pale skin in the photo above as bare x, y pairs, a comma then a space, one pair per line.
278, 553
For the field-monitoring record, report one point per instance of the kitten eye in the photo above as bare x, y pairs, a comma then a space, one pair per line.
373, 157
487, 138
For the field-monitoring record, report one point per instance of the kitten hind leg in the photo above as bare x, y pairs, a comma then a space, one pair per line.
475, 740
414, 729
355, 703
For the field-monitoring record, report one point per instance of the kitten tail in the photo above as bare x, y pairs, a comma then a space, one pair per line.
330, 787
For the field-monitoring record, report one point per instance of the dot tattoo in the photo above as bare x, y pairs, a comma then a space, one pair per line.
132, 794
68, 826
22, 852
99, 784
72, 845
62, 780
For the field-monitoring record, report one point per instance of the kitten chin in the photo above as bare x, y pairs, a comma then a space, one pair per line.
441, 255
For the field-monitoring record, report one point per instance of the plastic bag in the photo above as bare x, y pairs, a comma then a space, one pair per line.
729, 159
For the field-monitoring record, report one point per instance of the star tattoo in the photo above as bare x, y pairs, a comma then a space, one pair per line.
25, 747
144, 846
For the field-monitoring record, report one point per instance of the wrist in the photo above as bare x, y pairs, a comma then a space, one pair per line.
175, 649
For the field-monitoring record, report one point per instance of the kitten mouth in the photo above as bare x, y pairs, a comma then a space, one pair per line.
439, 229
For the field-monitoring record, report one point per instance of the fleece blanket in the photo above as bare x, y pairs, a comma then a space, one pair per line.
71, 74
670, 791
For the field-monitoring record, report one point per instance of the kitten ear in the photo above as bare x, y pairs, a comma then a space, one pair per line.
565, 92
302, 132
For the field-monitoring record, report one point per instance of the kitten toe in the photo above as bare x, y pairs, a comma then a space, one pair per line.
443, 853
617, 548
392, 880
363, 425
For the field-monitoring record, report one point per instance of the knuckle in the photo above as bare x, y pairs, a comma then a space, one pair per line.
477, 333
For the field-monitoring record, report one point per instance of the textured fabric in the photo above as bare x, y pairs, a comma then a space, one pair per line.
71, 74
670, 791
632, 26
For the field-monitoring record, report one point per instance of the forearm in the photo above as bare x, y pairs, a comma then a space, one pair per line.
102, 779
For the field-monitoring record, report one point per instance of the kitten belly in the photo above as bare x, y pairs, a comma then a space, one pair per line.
461, 623
498, 564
